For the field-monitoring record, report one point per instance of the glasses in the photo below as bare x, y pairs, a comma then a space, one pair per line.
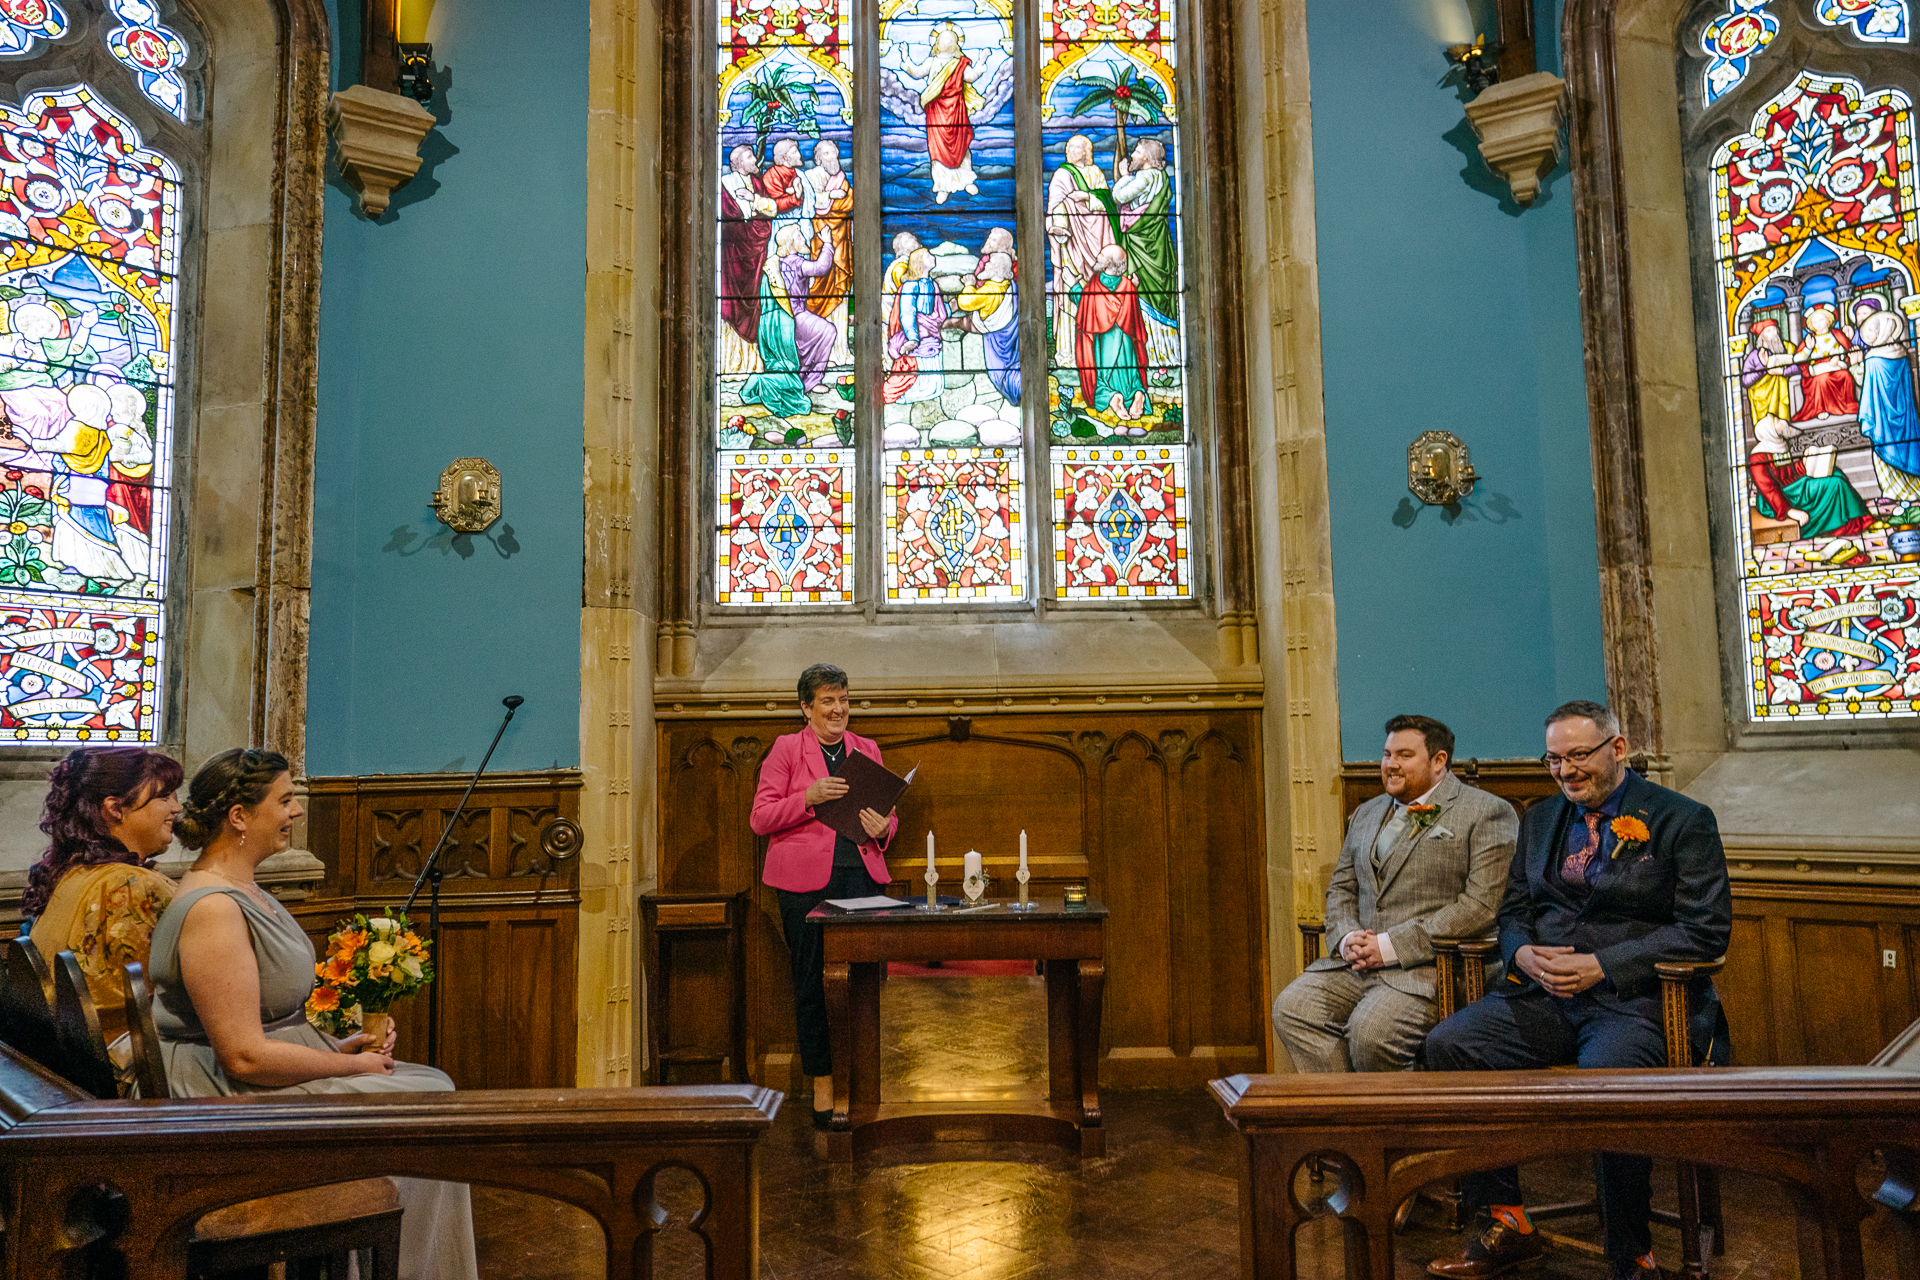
1553, 761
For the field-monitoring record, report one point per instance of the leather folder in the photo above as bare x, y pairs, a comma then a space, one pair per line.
869, 786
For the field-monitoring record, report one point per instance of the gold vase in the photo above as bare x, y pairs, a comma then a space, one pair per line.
375, 1025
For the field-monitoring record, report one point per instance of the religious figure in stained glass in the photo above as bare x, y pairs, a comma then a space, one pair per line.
88, 278
1818, 255
948, 100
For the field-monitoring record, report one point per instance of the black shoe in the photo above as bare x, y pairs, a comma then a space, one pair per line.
1633, 1270
1497, 1250
823, 1120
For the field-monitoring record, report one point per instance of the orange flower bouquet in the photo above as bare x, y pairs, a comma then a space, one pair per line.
371, 963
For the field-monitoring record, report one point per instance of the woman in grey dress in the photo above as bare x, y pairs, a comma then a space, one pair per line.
232, 971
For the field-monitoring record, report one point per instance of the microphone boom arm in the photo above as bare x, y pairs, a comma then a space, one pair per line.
512, 703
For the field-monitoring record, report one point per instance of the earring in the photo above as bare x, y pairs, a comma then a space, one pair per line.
243, 839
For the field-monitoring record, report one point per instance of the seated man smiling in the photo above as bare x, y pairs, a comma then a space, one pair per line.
1426, 858
1612, 877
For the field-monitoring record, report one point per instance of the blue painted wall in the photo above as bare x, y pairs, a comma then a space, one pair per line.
1444, 306
453, 327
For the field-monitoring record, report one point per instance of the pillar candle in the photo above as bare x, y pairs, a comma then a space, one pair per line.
970, 865
1023, 850
929, 850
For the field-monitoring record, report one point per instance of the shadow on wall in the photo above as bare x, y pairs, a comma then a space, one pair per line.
1478, 176
1498, 508
404, 541
434, 149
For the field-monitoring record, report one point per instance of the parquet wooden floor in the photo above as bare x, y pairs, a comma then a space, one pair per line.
1163, 1202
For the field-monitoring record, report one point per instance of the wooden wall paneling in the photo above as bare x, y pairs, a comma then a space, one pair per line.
1746, 992
533, 954
1840, 1000
1130, 876
1171, 841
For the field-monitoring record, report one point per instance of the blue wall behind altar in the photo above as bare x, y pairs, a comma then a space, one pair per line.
1443, 306
454, 327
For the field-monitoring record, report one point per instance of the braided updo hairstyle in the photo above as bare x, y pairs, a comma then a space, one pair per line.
75, 819
242, 776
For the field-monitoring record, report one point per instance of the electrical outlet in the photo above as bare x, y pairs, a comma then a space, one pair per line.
1891, 959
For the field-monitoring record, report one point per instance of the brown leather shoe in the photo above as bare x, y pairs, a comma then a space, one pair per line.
1494, 1252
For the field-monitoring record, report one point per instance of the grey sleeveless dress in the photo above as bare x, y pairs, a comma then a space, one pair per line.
436, 1223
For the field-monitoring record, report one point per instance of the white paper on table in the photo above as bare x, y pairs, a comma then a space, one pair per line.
866, 904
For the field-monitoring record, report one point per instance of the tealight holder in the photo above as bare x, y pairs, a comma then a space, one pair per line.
933, 899
1076, 896
1025, 903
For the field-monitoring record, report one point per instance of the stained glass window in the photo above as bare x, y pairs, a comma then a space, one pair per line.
152, 51
89, 263
25, 23
1732, 40
1875, 21
955, 445
1817, 255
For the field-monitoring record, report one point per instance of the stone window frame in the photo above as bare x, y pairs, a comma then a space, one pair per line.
1222, 548
236, 605
1658, 510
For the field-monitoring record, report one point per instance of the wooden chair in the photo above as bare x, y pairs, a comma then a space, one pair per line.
312, 1231
1699, 1219
26, 1011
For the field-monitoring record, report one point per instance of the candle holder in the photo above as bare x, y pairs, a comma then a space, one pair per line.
1076, 896
1025, 904
933, 899
975, 887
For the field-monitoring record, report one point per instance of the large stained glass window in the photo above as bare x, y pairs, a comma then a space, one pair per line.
986, 117
1817, 257
89, 268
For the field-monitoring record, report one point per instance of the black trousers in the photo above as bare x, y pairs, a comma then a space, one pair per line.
808, 959
1530, 1029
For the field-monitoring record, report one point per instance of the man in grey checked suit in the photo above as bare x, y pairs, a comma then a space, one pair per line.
1429, 858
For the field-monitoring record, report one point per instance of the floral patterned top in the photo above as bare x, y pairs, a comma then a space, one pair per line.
105, 915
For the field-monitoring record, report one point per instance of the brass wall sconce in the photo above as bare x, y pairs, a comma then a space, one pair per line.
468, 499
416, 72
1438, 469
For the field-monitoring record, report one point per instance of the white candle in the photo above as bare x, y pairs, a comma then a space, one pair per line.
970, 865
1023, 850
929, 850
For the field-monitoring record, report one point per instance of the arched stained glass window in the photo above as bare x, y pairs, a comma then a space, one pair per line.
1811, 196
1020, 322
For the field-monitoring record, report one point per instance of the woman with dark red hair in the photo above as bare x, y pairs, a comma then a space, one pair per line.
109, 813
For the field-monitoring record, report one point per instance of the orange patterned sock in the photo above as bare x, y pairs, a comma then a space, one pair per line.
1515, 1216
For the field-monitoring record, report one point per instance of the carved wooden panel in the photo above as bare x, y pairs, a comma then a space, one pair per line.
1159, 812
508, 953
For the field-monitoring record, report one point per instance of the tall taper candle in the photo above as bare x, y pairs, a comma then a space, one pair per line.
929, 850
1023, 849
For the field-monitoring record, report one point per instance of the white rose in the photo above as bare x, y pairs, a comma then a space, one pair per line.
411, 968
381, 953
384, 924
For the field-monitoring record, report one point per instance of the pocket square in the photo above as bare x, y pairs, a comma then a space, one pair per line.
1441, 833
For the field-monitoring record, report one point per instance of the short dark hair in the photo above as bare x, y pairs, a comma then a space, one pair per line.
821, 675
1439, 737
1580, 709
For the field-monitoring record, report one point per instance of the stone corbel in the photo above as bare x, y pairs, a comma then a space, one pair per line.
1521, 126
377, 136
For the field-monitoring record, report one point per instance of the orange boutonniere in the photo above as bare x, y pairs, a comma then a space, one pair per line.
1422, 815
1628, 831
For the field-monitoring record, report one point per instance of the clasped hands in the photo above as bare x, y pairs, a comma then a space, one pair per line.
357, 1044
831, 788
1562, 971
1361, 950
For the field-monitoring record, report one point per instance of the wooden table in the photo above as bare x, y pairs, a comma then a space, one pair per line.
1071, 942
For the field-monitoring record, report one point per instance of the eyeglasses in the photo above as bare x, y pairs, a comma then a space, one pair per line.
1553, 761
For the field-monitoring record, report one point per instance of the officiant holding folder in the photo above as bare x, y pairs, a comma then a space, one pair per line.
808, 861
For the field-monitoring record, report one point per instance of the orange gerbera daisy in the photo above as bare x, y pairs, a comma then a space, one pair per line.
337, 969
349, 942
1629, 830
323, 1000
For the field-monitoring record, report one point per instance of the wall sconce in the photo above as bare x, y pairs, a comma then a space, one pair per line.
1517, 111
416, 72
1438, 469
468, 499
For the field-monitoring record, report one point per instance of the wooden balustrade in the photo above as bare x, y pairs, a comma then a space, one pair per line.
134, 1177
1812, 1130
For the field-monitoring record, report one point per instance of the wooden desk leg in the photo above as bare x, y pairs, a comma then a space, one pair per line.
1093, 974
864, 1011
1063, 1043
840, 1036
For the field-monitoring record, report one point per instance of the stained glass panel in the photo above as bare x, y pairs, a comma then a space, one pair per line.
1875, 21
25, 23
1732, 41
785, 525
152, 51
953, 525
89, 244
1120, 522
1817, 254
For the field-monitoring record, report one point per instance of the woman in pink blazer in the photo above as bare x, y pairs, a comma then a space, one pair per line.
807, 861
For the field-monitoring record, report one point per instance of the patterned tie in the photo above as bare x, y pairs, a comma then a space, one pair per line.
1575, 867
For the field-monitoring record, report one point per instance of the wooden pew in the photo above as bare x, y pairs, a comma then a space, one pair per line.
164, 1164
1807, 1128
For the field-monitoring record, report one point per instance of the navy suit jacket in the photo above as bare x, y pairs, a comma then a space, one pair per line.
1664, 899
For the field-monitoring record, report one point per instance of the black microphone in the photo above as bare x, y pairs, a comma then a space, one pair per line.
512, 702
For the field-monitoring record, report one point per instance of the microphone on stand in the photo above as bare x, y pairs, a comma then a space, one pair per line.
430, 873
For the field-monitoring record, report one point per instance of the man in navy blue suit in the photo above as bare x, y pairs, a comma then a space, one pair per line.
1611, 878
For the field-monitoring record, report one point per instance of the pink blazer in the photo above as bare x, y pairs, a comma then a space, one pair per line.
800, 855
